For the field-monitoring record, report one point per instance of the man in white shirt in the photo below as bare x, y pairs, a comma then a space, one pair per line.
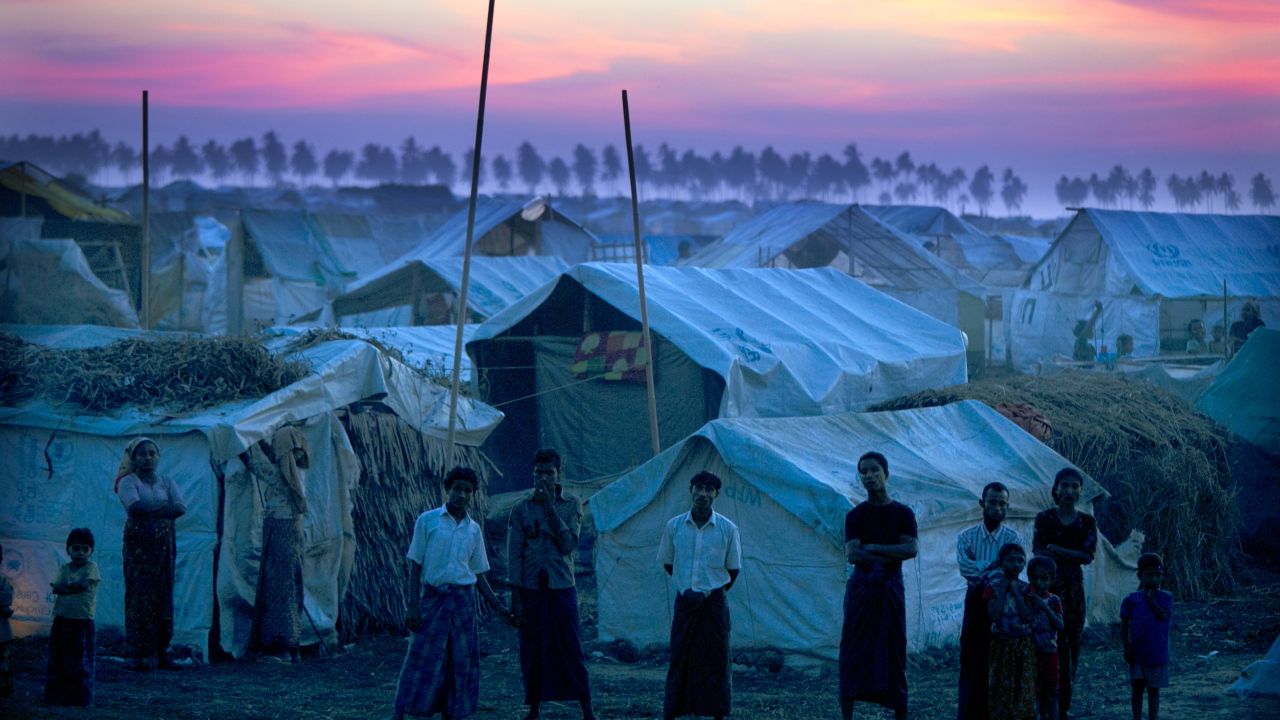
702, 553
441, 673
976, 551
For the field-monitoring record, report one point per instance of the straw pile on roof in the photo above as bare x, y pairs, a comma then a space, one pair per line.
402, 474
172, 374
1164, 465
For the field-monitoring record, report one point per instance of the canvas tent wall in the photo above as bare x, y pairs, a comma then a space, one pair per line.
1153, 273
727, 343
788, 492
49, 282
63, 461
849, 238
505, 227
417, 290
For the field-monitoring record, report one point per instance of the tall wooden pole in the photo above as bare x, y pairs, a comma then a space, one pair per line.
646, 341
471, 226
145, 311
1226, 324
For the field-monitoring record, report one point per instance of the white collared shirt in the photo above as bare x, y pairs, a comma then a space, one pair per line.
700, 557
976, 548
450, 552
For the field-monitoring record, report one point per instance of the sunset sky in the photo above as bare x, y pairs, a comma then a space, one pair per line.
1046, 87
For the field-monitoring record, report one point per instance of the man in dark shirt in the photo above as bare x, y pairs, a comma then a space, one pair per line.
879, 535
541, 538
1250, 320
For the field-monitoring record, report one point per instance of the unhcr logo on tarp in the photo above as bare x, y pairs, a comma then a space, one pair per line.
1167, 255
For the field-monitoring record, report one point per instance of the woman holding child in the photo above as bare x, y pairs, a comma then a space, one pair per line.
1070, 538
152, 502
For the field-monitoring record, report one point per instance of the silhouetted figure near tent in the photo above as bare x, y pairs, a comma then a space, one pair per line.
879, 535
149, 553
977, 549
278, 468
702, 553
1196, 344
1250, 320
542, 535
1070, 537
1083, 351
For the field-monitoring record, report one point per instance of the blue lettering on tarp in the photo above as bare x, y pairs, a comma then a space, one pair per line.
748, 347
743, 494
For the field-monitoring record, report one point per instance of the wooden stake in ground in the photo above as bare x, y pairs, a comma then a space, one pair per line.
471, 225
646, 344
144, 313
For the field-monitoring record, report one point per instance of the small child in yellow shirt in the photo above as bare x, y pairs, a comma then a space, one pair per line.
71, 641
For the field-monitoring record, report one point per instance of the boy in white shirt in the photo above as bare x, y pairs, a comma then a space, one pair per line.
441, 672
702, 553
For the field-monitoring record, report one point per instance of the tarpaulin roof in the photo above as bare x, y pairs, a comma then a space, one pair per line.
496, 282
1245, 397
788, 484
990, 259
292, 247
882, 254
23, 177
560, 233
343, 372
420, 345
1182, 255
786, 342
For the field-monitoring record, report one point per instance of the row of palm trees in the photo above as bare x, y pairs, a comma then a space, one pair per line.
666, 171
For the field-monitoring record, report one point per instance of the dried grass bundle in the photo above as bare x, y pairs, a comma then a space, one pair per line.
174, 374
1164, 464
402, 474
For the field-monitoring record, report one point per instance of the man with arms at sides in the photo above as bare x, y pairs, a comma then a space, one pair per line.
541, 538
702, 553
976, 551
879, 535
441, 671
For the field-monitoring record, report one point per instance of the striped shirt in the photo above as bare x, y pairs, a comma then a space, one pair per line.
977, 549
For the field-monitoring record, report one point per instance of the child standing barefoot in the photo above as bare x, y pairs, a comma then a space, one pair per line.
71, 641
1047, 623
1012, 656
1144, 627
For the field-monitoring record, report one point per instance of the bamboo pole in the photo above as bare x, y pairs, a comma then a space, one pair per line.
646, 340
145, 301
471, 225
1226, 325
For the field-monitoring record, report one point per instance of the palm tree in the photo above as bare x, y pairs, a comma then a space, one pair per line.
303, 162
1012, 190
558, 170
856, 175
337, 163
982, 188
1261, 193
244, 153
1147, 184
274, 157
501, 171
530, 165
584, 168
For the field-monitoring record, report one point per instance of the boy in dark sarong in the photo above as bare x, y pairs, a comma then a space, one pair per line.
702, 553
879, 535
441, 672
541, 538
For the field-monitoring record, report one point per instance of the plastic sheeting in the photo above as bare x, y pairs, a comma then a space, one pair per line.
1246, 396
1262, 678
49, 282
61, 467
786, 342
788, 492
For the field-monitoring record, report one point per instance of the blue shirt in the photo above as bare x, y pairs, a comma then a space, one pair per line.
1148, 636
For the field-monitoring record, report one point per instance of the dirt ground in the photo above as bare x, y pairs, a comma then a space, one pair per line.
1212, 642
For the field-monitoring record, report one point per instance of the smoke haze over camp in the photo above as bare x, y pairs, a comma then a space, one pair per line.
1049, 88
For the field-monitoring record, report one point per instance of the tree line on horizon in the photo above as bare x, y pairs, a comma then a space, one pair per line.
667, 172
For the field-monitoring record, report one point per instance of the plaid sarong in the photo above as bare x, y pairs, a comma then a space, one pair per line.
699, 680
441, 672
278, 604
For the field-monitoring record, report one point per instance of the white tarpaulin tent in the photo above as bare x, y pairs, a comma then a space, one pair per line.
400, 293
511, 227
49, 282
62, 462
1261, 678
1153, 273
727, 343
788, 483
